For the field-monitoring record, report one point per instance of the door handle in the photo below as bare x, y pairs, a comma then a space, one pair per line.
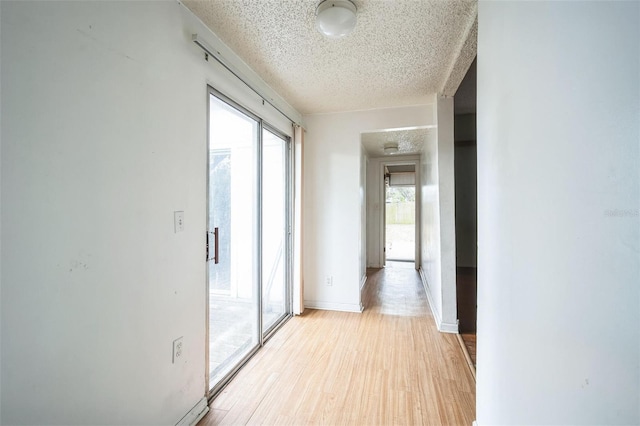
216, 258
216, 254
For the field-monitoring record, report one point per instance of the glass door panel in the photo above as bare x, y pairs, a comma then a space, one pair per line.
274, 230
232, 263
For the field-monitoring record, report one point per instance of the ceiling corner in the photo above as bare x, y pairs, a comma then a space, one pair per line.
464, 57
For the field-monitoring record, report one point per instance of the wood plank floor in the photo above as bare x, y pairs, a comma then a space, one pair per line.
469, 340
388, 365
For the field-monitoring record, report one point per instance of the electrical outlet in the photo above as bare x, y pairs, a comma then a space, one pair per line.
178, 221
329, 281
177, 349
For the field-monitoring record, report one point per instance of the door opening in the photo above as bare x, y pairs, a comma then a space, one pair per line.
466, 211
248, 235
400, 213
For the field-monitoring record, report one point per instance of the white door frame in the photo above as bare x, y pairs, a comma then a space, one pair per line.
400, 161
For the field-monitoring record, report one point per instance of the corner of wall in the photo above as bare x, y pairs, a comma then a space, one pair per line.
443, 327
446, 193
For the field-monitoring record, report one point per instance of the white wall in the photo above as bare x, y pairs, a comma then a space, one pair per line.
558, 222
438, 239
364, 164
375, 206
332, 206
430, 229
103, 138
447, 205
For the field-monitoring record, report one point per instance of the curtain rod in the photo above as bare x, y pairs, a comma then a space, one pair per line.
238, 74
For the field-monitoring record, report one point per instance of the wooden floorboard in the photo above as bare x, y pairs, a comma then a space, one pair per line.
387, 365
469, 340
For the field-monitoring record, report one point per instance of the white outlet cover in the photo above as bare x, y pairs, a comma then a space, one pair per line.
178, 221
177, 349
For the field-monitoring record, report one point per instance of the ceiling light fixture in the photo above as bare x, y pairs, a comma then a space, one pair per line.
391, 148
336, 18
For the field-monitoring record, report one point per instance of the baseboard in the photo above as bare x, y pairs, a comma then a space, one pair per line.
363, 283
432, 306
475, 423
195, 414
332, 306
448, 327
443, 327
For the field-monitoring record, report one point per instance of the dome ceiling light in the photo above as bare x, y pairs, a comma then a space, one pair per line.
336, 18
391, 148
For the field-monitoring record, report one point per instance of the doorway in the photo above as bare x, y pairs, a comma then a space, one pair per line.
248, 237
400, 213
466, 198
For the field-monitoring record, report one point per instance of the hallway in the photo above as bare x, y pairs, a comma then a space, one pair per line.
388, 365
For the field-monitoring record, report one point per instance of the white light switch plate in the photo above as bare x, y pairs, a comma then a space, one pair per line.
177, 349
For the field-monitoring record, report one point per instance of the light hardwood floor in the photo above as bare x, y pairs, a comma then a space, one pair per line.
387, 365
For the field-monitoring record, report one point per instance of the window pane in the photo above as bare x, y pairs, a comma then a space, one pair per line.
274, 232
233, 295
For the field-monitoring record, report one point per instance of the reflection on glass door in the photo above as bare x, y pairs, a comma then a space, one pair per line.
248, 236
274, 229
232, 261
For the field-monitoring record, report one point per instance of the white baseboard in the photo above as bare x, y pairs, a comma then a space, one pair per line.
448, 327
434, 311
195, 414
363, 283
443, 327
332, 306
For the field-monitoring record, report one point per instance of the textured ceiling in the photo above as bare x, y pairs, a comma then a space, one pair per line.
410, 141
400, 52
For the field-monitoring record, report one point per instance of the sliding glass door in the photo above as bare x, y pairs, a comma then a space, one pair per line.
232, 237
247, 236
274, 229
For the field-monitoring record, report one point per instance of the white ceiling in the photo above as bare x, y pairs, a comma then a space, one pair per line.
400, 53
410, 141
